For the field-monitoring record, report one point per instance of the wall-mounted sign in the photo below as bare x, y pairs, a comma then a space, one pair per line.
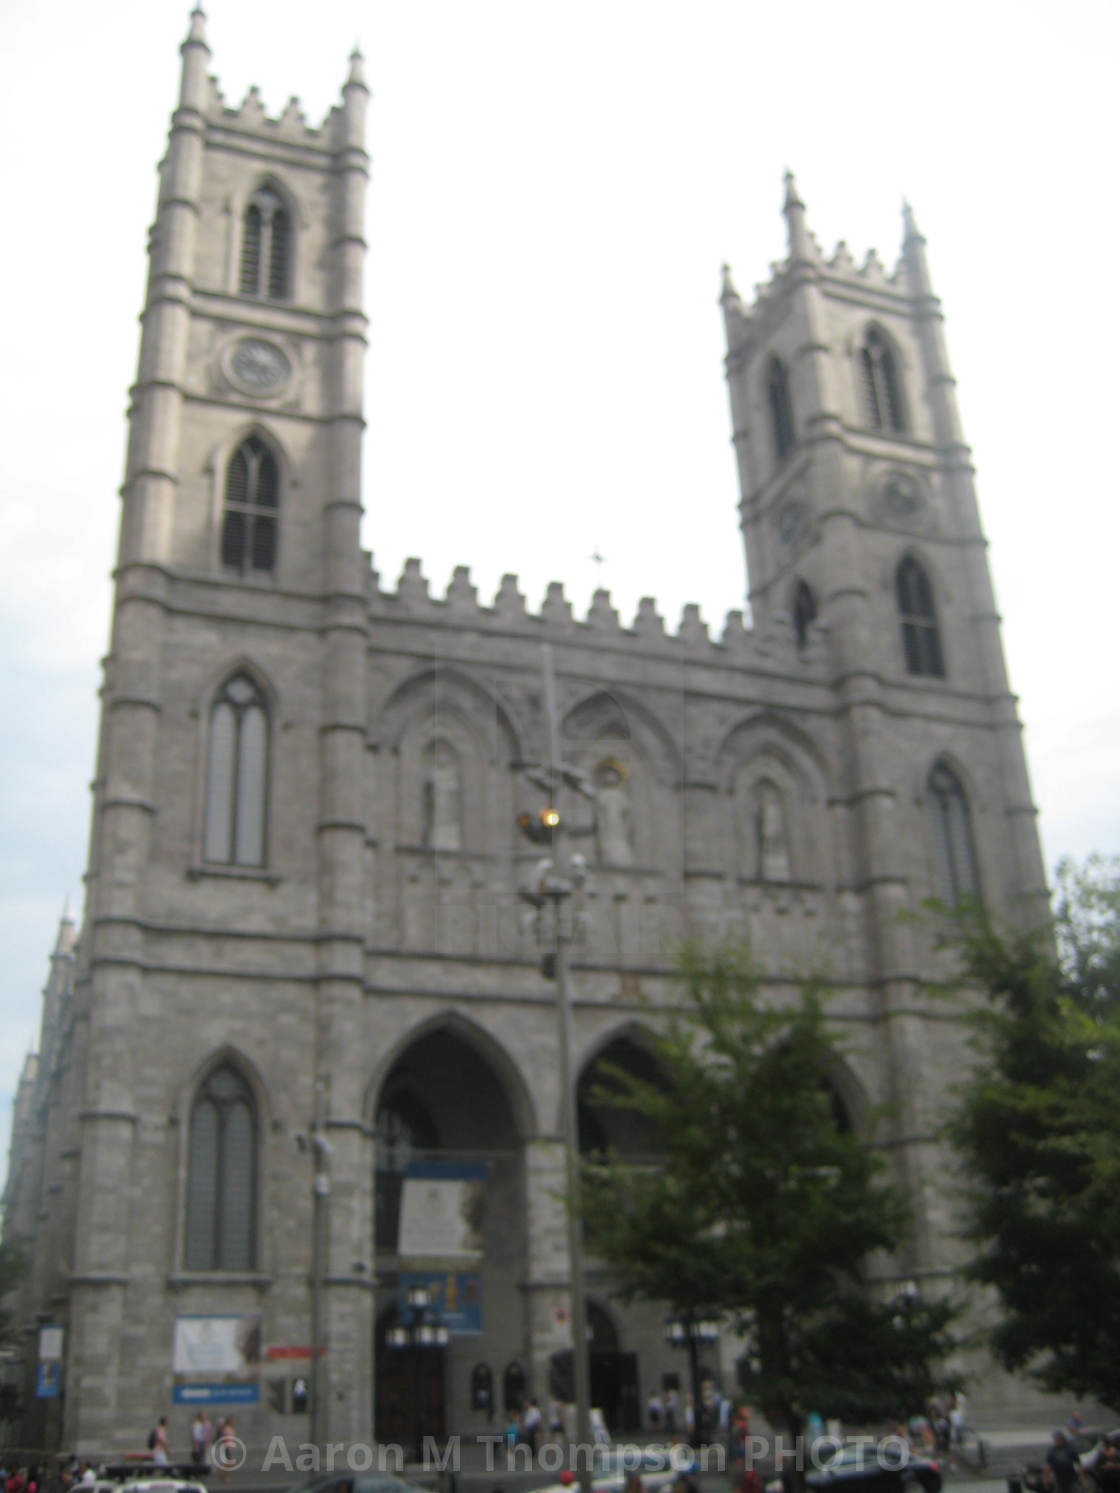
216, 1360
442, 1210
455, 1298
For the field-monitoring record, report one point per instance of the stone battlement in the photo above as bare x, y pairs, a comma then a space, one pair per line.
744, 646
290, 127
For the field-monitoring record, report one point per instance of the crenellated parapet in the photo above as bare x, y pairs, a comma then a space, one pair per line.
252, 117
773, 648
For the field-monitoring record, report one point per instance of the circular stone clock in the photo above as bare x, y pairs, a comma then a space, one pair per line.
258, 366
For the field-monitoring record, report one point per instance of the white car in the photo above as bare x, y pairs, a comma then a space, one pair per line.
145, 1477
612, 1466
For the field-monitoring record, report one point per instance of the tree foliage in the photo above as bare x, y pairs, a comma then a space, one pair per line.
764, 1207
1039, 1133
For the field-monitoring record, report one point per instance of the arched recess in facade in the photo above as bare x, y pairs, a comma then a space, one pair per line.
444, 795
452, 1118
602, 1127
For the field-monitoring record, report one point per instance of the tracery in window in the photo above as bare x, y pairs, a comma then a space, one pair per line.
251, 509
781, 408
235, 825
954, 853
266, 246
222, 1175
882, 392
921, 638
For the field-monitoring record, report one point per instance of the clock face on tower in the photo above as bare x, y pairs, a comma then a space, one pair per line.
259, 367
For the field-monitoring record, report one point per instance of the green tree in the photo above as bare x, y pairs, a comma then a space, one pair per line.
764, 1207
1039, 1136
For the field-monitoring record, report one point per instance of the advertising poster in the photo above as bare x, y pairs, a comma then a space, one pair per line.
216, 1360
442, 1210
48, 1375
456, 1298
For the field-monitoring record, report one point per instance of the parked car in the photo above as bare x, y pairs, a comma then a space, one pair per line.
145, 1476
611, 1467
863, 1467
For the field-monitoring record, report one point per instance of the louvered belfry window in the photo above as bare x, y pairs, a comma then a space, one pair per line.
222, 1175
781, 408
804, 613
236, 822
921, 639
252, 503
266, 247
954, 854
882, 392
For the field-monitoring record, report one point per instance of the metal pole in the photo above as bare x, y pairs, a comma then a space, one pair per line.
320, 1190
561, 867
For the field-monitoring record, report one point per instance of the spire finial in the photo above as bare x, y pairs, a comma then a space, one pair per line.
792, 199
910, 229
727, 289
198, 25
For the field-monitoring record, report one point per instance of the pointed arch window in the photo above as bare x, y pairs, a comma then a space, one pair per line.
222, 1175
921, 638
781, 408
251, 509
882, 391
266, 247
804, 613
235, 826
954, 853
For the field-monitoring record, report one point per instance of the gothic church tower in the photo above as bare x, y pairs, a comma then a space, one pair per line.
858, 507
238, 617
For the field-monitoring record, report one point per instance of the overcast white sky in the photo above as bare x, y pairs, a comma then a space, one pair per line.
553, 190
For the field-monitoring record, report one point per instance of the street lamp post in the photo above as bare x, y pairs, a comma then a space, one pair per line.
555, 887
419, 1333
689, 1330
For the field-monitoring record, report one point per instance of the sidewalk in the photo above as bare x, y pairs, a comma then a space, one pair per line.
470, 1464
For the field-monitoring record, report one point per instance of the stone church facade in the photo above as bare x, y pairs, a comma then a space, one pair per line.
303, 888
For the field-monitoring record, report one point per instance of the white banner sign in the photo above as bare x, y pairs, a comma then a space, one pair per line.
442, 1211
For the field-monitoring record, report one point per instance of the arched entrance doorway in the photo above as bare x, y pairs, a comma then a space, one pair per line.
411, 1382
449, 1218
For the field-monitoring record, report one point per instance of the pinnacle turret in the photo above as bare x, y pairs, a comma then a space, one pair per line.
197, 32
727, 289
800, 242
356, 77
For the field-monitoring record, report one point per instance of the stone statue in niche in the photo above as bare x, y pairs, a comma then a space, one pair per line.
773, 836
443, 799
612, 813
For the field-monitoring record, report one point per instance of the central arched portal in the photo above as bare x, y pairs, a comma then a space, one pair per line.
450, 1221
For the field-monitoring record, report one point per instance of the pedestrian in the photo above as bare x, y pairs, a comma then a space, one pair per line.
672, 1404
957, 1413
157, 1443
513, 1430
531, 1425
222, 1449
1063, 1465
202, 1433
556, 1421
654, 1411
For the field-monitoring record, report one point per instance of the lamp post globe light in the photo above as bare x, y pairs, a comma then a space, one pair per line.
421, 1332
692, 1330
